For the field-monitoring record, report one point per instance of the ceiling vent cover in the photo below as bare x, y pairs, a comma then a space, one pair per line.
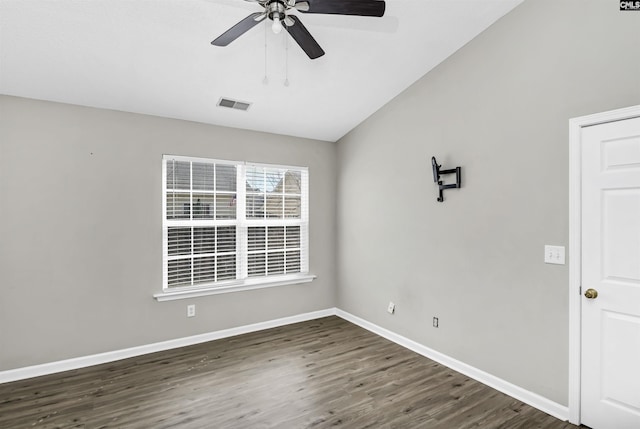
234, 104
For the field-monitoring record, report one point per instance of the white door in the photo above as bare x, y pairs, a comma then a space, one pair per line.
610, 379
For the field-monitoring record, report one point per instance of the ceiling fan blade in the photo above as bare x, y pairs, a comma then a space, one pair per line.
303, 38
344, 7
239, 29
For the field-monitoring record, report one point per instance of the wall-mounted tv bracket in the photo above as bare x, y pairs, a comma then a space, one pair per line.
436, 177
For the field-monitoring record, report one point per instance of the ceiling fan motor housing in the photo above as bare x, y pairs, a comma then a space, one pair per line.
276, 6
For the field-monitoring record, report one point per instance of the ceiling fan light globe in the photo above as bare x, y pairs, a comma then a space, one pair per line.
277, 25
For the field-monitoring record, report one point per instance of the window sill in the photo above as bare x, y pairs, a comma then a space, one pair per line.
249, 284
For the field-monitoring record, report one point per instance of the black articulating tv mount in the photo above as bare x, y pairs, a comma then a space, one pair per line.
436, 177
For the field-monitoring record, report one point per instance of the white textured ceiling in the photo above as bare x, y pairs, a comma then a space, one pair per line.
155, 57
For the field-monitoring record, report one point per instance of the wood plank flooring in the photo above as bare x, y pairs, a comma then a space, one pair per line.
325, 373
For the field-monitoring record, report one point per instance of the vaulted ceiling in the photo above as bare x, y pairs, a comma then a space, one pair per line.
155, 57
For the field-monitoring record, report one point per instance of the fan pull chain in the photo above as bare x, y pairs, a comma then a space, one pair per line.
265, 81
286, 61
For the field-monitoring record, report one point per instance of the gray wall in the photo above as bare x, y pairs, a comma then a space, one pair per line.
80, 230
499, 108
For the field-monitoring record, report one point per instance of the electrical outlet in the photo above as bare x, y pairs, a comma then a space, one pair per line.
191, 310
554, 255
391, 308
435, 322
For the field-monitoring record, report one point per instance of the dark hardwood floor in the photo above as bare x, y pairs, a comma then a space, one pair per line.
326, 373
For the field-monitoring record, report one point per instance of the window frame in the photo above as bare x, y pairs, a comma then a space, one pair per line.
242, 224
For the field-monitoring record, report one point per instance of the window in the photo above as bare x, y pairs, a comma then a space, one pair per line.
231, 225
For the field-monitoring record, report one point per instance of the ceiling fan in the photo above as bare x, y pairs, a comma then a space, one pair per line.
278, 12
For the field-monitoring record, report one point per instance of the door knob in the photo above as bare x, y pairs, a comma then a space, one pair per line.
591, 294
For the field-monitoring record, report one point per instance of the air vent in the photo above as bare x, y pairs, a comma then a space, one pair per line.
234, 104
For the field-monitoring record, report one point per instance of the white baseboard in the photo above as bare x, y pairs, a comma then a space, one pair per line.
100, 358
543, 404
533, 399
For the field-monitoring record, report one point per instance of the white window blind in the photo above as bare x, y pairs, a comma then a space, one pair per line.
225, 222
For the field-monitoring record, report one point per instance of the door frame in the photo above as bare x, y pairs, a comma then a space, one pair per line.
575, 244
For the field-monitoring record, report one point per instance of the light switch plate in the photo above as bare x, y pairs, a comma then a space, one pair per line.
554, 255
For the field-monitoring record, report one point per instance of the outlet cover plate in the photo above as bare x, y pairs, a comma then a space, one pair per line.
191, 310
391, 308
